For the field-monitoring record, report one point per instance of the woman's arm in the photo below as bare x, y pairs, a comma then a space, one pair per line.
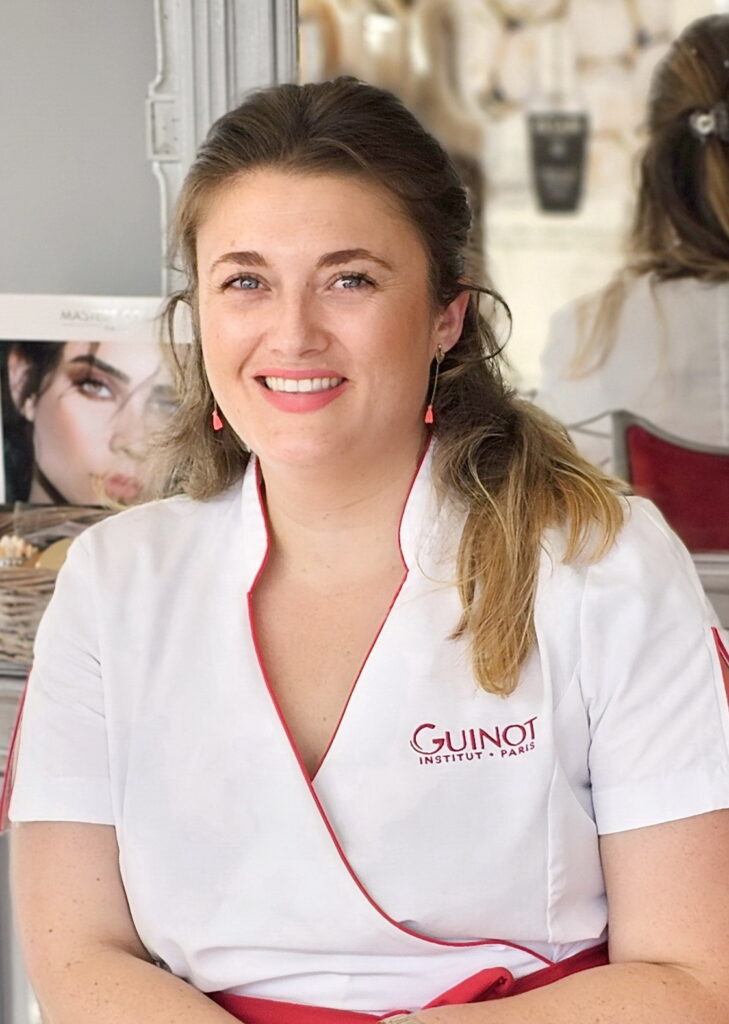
82, 952
668, 893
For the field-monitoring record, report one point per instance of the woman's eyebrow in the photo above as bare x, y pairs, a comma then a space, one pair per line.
99, 364
251, 258
245, 258
334, 259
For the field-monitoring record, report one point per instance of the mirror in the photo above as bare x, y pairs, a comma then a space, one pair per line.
541, 104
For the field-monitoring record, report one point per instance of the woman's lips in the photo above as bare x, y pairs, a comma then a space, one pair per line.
316, 392
122, 488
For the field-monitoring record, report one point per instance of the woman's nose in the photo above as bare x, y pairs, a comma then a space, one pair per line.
297, 329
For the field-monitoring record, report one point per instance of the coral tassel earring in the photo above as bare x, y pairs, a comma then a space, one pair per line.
439, 357
217, 422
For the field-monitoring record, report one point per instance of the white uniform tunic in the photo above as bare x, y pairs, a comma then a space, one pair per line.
448, 829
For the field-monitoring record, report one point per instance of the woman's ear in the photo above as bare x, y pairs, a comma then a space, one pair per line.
18, 370
449, 322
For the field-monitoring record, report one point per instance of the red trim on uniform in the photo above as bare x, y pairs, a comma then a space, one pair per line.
493, 983
305, 774
307, 778
596, 956
723, 659
379, 630
359, 673
261, 663
10, 764
269, 1011
384, 621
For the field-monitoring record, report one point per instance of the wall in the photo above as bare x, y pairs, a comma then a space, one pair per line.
79, 204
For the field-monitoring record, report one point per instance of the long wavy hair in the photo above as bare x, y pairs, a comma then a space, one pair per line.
510, 466
680, 224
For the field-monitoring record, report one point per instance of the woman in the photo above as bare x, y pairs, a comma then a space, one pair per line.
655, 341
77, 415
376, 717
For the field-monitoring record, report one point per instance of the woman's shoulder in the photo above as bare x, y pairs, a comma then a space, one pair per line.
642, 591
646, 556
168, 523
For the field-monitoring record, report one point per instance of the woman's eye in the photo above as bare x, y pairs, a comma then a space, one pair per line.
243, 282
94, 388
353, 281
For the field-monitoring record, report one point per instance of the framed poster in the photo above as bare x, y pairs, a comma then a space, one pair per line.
85, 383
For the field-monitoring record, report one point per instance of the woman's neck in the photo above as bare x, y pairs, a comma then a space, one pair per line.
325, 526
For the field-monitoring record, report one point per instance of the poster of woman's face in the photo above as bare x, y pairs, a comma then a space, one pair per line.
78, 414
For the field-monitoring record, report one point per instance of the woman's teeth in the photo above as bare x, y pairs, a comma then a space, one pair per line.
308, 384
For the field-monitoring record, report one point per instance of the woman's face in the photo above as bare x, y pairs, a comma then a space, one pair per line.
91, 417
317, 323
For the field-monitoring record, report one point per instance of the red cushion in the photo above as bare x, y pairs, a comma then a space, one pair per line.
690, 488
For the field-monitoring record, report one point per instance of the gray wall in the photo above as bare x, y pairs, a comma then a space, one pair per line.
79, 205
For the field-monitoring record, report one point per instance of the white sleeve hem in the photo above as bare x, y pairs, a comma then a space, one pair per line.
82, 800
656, 801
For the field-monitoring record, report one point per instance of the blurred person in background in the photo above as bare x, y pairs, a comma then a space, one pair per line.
655, 341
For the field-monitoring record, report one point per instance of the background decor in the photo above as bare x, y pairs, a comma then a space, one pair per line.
84, 385
552, 212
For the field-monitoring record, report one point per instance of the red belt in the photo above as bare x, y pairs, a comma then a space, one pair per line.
493, 983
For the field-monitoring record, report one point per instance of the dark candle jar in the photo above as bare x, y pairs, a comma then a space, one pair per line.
558, 146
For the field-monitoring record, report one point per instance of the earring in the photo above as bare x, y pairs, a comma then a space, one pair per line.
217, 422
439, 357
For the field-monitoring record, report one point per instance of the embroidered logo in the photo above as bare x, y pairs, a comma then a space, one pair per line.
443, 746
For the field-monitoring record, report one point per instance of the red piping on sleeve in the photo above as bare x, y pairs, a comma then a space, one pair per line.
723, 655
7, 789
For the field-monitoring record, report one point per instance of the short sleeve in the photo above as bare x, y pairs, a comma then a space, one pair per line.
652, 682
62, 771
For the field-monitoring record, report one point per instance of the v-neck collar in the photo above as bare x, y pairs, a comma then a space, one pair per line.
417, 522
427, 534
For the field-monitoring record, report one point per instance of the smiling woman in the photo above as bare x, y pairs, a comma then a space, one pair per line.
300, 322
398, 708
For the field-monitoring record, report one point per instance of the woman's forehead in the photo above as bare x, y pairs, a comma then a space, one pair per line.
272, 209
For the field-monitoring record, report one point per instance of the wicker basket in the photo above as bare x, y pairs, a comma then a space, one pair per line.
25, 592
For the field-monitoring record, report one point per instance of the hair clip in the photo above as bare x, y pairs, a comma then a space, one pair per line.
704, 123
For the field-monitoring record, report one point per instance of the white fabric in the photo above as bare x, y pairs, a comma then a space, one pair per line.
669, 363
148, 710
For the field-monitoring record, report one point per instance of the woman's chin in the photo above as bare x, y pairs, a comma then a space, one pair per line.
304, 454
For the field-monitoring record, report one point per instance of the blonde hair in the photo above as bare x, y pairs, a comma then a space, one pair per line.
513, 468
681, 221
